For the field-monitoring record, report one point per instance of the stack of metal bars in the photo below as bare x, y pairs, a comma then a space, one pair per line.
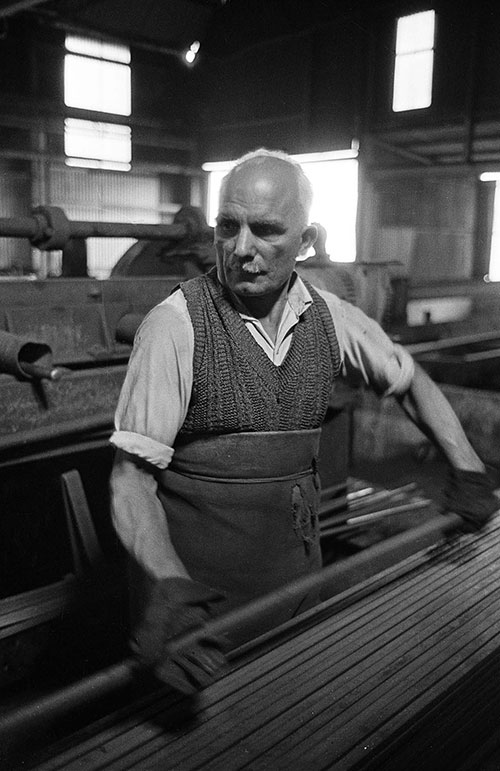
399, 672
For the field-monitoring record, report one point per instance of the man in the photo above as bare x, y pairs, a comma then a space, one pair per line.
215, 492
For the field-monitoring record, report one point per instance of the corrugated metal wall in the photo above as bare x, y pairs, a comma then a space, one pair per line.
104, 196
83, 194
15, 191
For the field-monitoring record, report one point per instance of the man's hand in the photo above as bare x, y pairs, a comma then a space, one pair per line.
177, 606
470, 495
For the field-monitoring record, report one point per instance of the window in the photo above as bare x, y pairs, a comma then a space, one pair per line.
97, 77
334, 178
494, 257
414, 62
494, 266
97, 145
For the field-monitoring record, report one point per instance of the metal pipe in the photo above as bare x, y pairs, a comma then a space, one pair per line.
26, 358
29, 227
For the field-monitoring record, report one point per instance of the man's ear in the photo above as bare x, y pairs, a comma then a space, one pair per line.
308, 237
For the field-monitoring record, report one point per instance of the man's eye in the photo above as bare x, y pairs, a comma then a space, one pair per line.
227, 228
265, 230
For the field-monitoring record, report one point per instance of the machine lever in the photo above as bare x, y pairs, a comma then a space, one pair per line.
41, 372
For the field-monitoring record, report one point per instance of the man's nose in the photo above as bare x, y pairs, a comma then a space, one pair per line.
245, 246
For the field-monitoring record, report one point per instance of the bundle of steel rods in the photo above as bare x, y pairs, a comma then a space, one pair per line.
365, 504
399, 673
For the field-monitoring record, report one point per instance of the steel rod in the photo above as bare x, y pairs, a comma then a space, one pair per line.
29, 227
361, 521
361, 499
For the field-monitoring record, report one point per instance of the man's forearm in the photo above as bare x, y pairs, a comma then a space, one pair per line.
430, 410
140, 521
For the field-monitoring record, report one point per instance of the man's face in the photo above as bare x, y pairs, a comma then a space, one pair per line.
260, 229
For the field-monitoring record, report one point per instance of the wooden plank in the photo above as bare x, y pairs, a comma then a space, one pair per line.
85, 547
32, 608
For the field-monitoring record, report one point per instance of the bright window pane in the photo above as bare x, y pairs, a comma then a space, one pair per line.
335, 186
413, 81
494, 269
93, 84
412, 88
101, 143
98, 49
415, 32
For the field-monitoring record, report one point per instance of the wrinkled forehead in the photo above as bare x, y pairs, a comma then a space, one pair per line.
263, 182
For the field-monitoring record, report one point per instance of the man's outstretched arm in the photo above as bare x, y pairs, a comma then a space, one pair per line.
468, 490
431, 411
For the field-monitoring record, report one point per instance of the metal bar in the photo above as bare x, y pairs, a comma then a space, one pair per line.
452, 342
362, 499
379, 513
363, 520
127, 230
66, 450
342, 504
29, 227
329, 492
57, 430
382, 495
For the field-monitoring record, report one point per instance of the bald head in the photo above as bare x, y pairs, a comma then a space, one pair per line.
263, 182
269, 170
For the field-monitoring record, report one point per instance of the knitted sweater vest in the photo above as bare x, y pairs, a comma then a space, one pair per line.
236, 387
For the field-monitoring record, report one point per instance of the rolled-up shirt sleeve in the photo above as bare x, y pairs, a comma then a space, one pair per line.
155, 395
367, 349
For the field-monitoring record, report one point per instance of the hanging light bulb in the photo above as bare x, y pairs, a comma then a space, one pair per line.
190, 54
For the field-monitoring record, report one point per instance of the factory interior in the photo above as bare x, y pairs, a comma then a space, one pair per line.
118, 122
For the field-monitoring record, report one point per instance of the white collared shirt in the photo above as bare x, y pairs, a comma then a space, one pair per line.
298, 300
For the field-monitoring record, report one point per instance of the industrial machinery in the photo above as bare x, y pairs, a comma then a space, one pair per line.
61, 370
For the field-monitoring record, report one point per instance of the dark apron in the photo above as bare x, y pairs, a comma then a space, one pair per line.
243, 511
